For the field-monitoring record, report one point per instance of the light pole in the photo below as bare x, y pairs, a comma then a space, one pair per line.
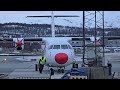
83, 37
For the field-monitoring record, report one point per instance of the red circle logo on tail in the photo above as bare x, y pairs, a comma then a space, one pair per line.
61, 58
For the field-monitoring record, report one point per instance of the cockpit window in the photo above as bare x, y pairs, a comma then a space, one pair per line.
64, 46
51, 47
69, 47
56, 47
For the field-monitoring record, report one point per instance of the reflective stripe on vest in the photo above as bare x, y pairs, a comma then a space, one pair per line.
42, 61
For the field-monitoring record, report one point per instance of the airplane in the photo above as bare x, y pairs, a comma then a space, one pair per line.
58, 51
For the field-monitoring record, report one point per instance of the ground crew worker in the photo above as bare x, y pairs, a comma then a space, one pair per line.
42, 62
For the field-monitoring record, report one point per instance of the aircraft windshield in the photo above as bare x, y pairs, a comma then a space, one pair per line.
65, 47
69, 47
51, 47
56, 47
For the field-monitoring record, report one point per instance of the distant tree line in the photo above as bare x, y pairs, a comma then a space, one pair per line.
42, 30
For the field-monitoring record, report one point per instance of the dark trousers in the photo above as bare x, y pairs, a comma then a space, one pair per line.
41, 66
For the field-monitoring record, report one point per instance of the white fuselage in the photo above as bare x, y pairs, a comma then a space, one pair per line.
51, 52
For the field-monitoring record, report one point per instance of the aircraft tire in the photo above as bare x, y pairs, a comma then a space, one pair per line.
59, 70
62, 70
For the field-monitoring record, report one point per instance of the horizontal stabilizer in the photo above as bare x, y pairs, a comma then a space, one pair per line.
56, 16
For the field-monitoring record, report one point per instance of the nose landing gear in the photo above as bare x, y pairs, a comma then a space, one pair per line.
61, 70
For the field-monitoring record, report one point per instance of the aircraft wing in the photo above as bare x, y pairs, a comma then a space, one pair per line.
80, 38
112, 37
25, 39
33, 39
78, 41
5, 39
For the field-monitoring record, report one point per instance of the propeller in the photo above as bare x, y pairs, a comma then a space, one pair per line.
19, 42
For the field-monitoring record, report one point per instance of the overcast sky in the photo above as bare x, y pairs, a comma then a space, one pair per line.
112, 18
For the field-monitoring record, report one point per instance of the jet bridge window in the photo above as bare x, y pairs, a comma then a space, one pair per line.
56, 47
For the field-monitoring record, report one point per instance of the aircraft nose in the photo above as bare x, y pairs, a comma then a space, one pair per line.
61, 58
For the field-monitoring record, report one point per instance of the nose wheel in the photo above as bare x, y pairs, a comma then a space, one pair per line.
60, 70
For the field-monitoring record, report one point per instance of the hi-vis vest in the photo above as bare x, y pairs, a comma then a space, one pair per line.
42, 61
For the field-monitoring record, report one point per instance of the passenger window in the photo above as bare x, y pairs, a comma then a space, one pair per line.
51, 47
64, 46
56, 47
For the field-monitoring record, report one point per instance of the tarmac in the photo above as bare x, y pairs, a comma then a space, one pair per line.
14, 68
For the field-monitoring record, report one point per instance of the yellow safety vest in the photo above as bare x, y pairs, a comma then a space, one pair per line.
42, 61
